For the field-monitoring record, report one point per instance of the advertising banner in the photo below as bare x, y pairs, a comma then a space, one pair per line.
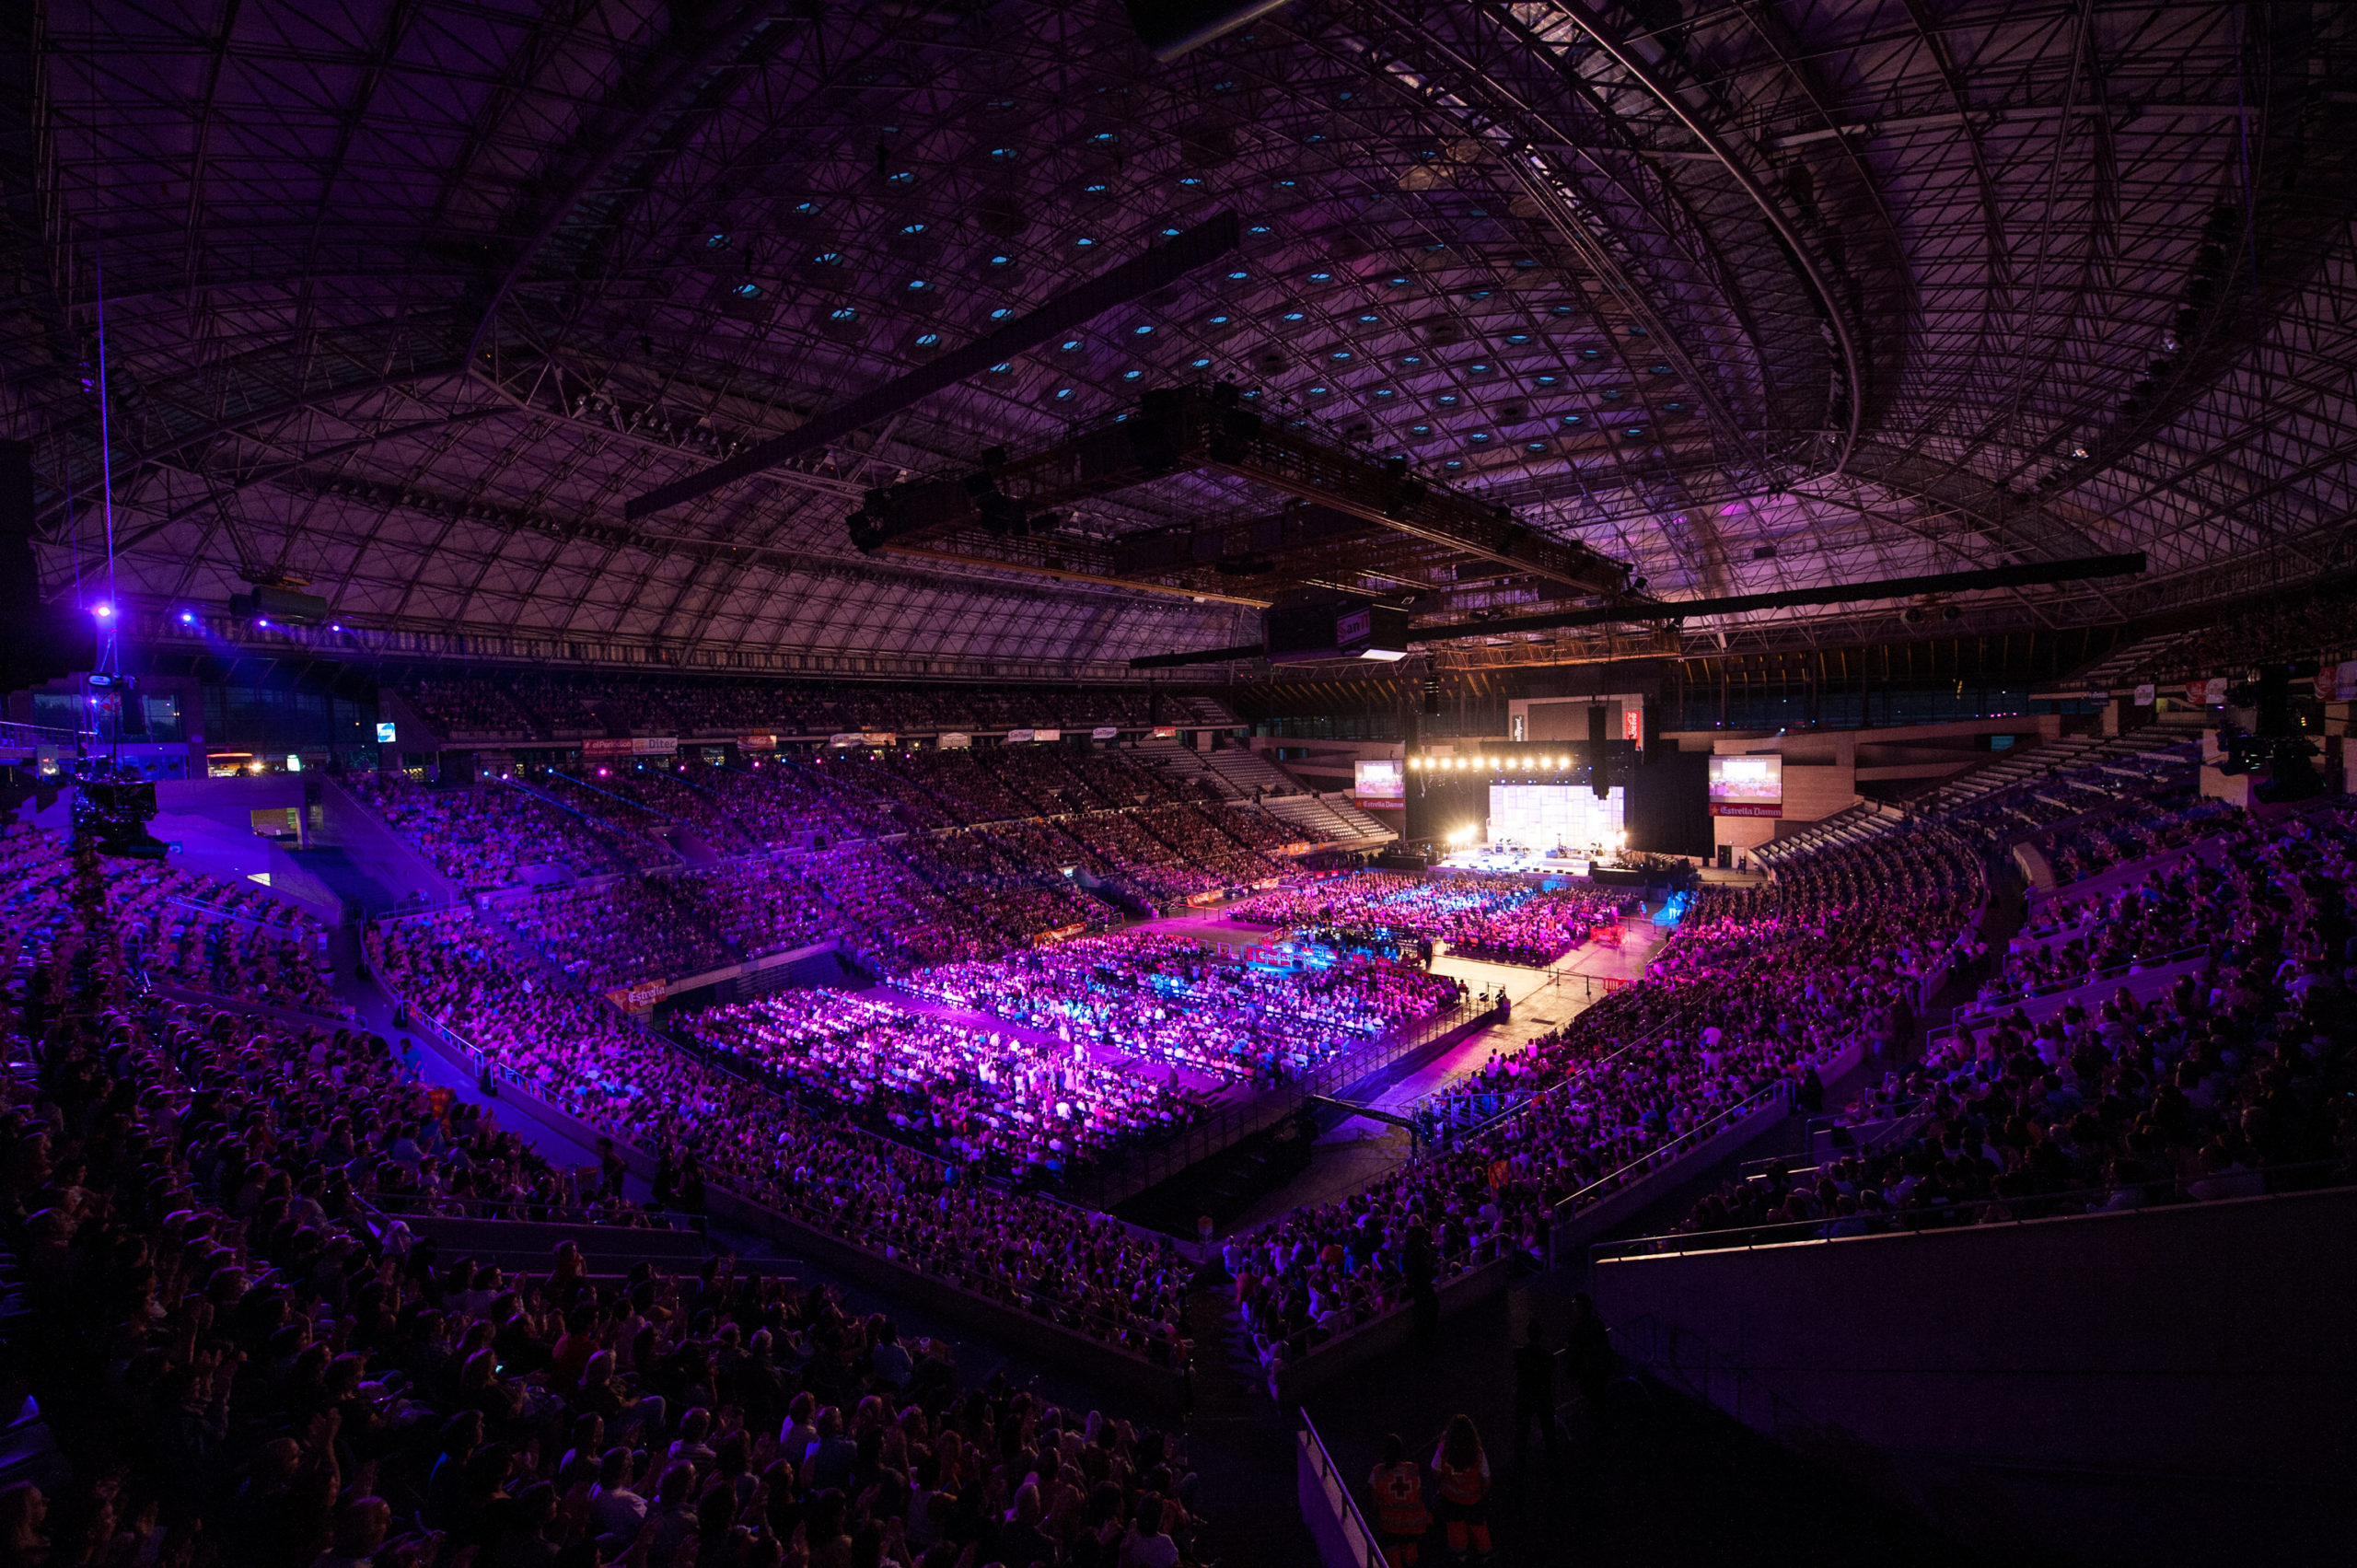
599, 746
1737, 808
1105, 732
1166, 732
640, 997
2144, 695
2215, 691
1018, 737
1633, 723
1047, 735
757, 743
655, 745
956, 740
844, 740
879, 736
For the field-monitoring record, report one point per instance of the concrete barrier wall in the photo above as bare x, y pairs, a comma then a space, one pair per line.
2133, 1364
609, 1249
348, 825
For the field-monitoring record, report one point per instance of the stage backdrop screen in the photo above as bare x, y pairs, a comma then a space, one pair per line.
1383, 779
1747, 787
1544, 817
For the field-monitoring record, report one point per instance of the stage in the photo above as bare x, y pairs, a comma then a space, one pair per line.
1512, 860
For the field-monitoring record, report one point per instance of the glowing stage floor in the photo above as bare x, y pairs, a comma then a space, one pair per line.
1514, 860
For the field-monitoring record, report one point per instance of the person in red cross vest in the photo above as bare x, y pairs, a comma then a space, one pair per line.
1400, 1515
1462, 1472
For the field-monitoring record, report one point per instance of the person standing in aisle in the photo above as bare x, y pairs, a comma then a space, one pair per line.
1462, 1472
1588, 1350
1534, 1394
1401, 1516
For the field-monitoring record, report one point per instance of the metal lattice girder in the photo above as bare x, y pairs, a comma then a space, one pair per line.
1181, 430
406, 299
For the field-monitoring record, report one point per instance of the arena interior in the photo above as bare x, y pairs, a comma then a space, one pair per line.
1235, 782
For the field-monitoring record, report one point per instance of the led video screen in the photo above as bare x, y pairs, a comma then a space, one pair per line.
1545, 817
1746, 780
1383, 779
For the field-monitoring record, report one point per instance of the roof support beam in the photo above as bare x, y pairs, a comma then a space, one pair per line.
1158, 268
2028, 575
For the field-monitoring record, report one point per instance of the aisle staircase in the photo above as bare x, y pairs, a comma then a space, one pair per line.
1857, 824
1225, 1372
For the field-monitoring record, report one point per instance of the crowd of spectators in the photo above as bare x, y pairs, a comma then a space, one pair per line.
1185, 1003
1122, 846
2228, 1083
1256, 829
1503, 919
481, 836
2093, 848
1200, 839
671, 792
961, 784
1536, 931
241, 1366
2321, 625
907, 804
1047, 781
170, 926
779, 802
992, 1097
568, 711
525, 704
983, 872
636, 835
467, 707
1757, 988
2074, 941
1082, 1270
607, 935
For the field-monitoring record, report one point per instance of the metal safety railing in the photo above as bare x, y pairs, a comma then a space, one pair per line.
1990, 1006
2156, 1195
1671, 1151
1343, 1528
1122, 1176
914, 1257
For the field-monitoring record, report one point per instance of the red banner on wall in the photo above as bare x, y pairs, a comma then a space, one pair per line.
1747, 808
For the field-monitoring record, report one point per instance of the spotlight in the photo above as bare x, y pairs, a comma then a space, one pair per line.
188, 618
104, 611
